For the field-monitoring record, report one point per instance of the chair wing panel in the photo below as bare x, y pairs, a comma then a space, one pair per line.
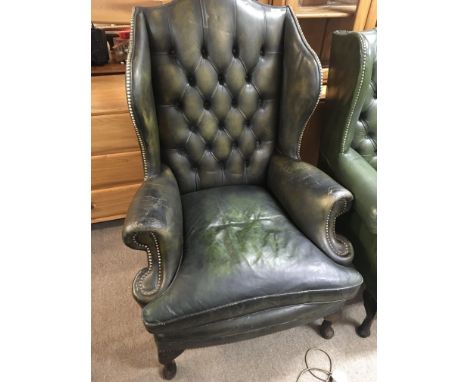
301, 84
352, 95
140, 94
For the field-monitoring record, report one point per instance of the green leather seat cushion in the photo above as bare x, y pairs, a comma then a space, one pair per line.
242, 255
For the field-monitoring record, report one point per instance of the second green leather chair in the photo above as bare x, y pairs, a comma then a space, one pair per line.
349, 150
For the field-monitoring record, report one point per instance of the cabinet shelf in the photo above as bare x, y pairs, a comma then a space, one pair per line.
323, 9
326, 11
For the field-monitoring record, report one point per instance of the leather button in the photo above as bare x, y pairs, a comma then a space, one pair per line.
179, 105
172, 51
209, 146
247, 163
234, 145
235, 51
191, 80
221, 79
206, 104
247, 122
248, 77
257, 144
204, 52
221, 125
262, 51
234, 102
191, 127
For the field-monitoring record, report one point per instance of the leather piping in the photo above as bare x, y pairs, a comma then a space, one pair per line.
306, 44
172, 339
179, 318
356, 98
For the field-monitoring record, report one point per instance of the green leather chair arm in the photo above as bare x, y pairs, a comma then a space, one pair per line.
359, 176
313, 201
154, 223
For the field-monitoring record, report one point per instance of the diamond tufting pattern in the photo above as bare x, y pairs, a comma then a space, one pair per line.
216, 74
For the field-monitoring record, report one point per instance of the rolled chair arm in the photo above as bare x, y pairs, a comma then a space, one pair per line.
313, 201
154, 224
361, 178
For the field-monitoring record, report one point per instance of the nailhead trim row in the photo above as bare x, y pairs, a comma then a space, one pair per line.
327, 230
128, 86
139, 284
304, 40
361, 80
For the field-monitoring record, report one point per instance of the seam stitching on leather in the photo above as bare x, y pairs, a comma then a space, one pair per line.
235, 21
253, 70
317, 60
139, 283
204, 18
128, 85
273, 308
161, 323
261, 311
361, 81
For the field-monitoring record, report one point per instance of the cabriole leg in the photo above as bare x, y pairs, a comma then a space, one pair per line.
371, 309
326, 329
166, 358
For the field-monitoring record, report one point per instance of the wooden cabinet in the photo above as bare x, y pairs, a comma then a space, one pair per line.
118, 11
320, 18
321, 8
116, 165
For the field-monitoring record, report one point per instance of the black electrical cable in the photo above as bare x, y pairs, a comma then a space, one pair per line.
327, 374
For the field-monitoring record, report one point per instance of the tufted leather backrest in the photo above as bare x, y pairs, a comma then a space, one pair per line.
204, 83
365, 129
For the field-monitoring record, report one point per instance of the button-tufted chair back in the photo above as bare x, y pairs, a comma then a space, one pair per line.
206, 89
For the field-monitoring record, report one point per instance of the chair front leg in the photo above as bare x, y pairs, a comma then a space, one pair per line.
166, 358
326, 329
371, 310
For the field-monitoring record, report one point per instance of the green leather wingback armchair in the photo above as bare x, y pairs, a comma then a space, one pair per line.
239, 232
349, 149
